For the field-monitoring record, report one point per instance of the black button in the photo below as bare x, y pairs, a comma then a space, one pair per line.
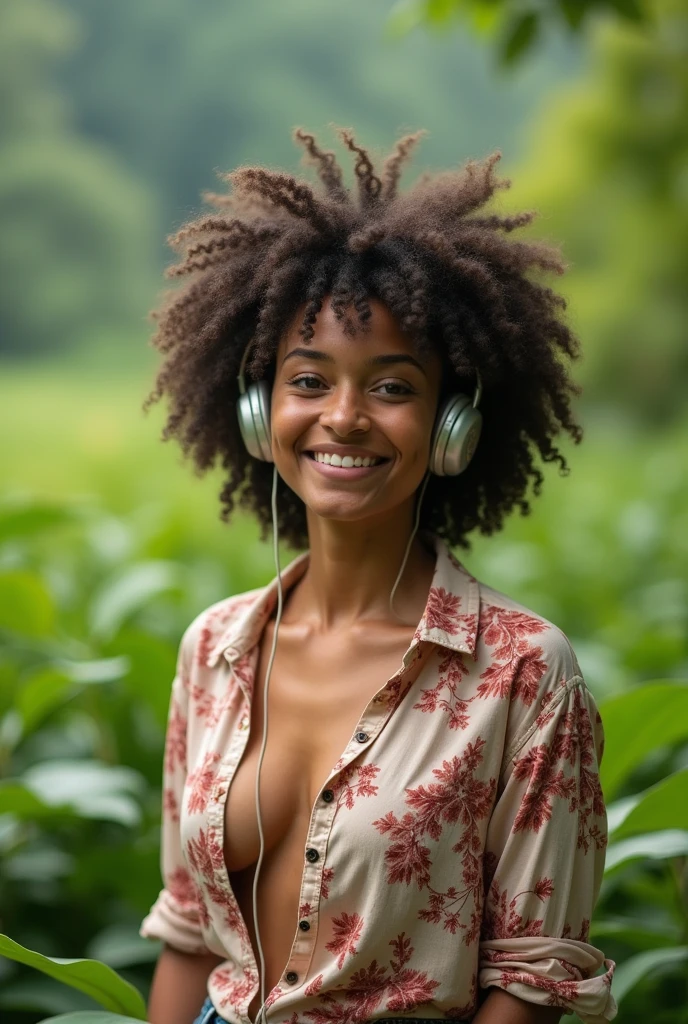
291, 977
312, 855
328, 795
304, 926
362, 737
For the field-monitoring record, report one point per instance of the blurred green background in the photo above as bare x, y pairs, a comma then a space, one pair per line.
113, 119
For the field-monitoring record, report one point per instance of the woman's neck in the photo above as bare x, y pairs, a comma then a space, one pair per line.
351, 572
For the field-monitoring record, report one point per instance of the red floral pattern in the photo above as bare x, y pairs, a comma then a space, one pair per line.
453, 837
517, 666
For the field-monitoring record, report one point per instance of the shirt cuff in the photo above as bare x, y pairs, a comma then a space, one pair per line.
551, 972
175, 923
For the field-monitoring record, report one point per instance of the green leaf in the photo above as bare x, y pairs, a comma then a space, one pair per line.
18, 800
638, 722
633, 933
93, 789
90, 1017
628, 974
131, 589
26, 607
655, 845
40, 694
631, 9
574, 12
90, 976
26, 519
664, 806
520, 37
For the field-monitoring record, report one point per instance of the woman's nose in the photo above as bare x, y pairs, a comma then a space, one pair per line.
345, 412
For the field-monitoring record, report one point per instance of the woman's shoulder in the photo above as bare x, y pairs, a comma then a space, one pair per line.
211, 625
502, 617
523, 656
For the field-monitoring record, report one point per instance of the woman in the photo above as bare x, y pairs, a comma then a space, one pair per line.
428, 842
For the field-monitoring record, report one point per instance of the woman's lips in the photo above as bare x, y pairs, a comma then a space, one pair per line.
340, 473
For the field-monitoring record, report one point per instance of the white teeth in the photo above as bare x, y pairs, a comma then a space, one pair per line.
346, 462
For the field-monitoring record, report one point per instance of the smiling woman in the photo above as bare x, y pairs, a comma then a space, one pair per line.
459, 291
421, 831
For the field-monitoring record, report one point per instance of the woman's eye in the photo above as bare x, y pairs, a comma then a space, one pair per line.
307, 382
300, 382
397, 389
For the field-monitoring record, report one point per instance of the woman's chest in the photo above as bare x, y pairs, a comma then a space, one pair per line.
317, 697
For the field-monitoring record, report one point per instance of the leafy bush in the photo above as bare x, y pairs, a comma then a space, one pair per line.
91, 609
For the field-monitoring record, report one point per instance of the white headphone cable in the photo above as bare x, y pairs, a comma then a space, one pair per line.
261, 1012
408, 545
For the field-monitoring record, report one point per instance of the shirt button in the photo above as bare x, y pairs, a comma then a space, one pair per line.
291, 977
362, 737
328, 795
312, 855
304, 926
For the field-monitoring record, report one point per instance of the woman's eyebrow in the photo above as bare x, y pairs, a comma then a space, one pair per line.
389, 359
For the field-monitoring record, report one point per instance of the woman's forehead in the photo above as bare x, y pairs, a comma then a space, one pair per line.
383, 333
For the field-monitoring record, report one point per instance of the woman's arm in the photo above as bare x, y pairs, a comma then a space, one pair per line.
180, 986
502, 1008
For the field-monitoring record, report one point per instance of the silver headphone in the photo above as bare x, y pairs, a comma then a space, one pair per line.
455, 436
455, 433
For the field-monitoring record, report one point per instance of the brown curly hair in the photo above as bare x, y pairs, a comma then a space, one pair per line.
454, 283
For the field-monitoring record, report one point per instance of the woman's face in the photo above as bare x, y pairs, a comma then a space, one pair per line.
352, 398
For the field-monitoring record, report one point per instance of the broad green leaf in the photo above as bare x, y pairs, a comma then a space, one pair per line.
655, 845
26, 607
93, 789
26, 519
90, 976
41, 994
18, 800
520, 37
628, 974
102, 670
128, 591
632, 933
40, 694
664, 806
121, 946
638, 722
90, 1017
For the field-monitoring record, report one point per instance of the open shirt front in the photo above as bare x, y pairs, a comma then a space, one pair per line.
458, 842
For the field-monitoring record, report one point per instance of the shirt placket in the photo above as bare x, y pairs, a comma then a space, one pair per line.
371, 723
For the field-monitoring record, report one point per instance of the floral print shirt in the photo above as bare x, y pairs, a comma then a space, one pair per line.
458, 842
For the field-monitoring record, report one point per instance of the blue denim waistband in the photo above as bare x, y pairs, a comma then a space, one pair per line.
209, 1015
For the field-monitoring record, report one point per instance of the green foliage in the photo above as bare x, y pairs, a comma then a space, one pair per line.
95, 979
85, 673
607, 166
76, 259
516, 23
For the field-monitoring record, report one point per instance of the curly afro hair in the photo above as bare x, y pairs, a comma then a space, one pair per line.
453, 281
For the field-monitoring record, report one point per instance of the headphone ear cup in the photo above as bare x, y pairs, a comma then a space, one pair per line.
253, 412
455, 436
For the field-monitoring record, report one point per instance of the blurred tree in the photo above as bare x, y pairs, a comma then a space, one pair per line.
75, 255
517, 24
609, 164
179, 90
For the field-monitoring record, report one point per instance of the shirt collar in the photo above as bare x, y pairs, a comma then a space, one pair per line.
450, 617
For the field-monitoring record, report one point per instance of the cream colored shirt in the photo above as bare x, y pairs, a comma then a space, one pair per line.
458, 842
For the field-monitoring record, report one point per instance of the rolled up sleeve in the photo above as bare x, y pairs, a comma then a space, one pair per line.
177, 915
544, 861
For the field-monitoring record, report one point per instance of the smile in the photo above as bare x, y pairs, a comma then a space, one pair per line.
348, 466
